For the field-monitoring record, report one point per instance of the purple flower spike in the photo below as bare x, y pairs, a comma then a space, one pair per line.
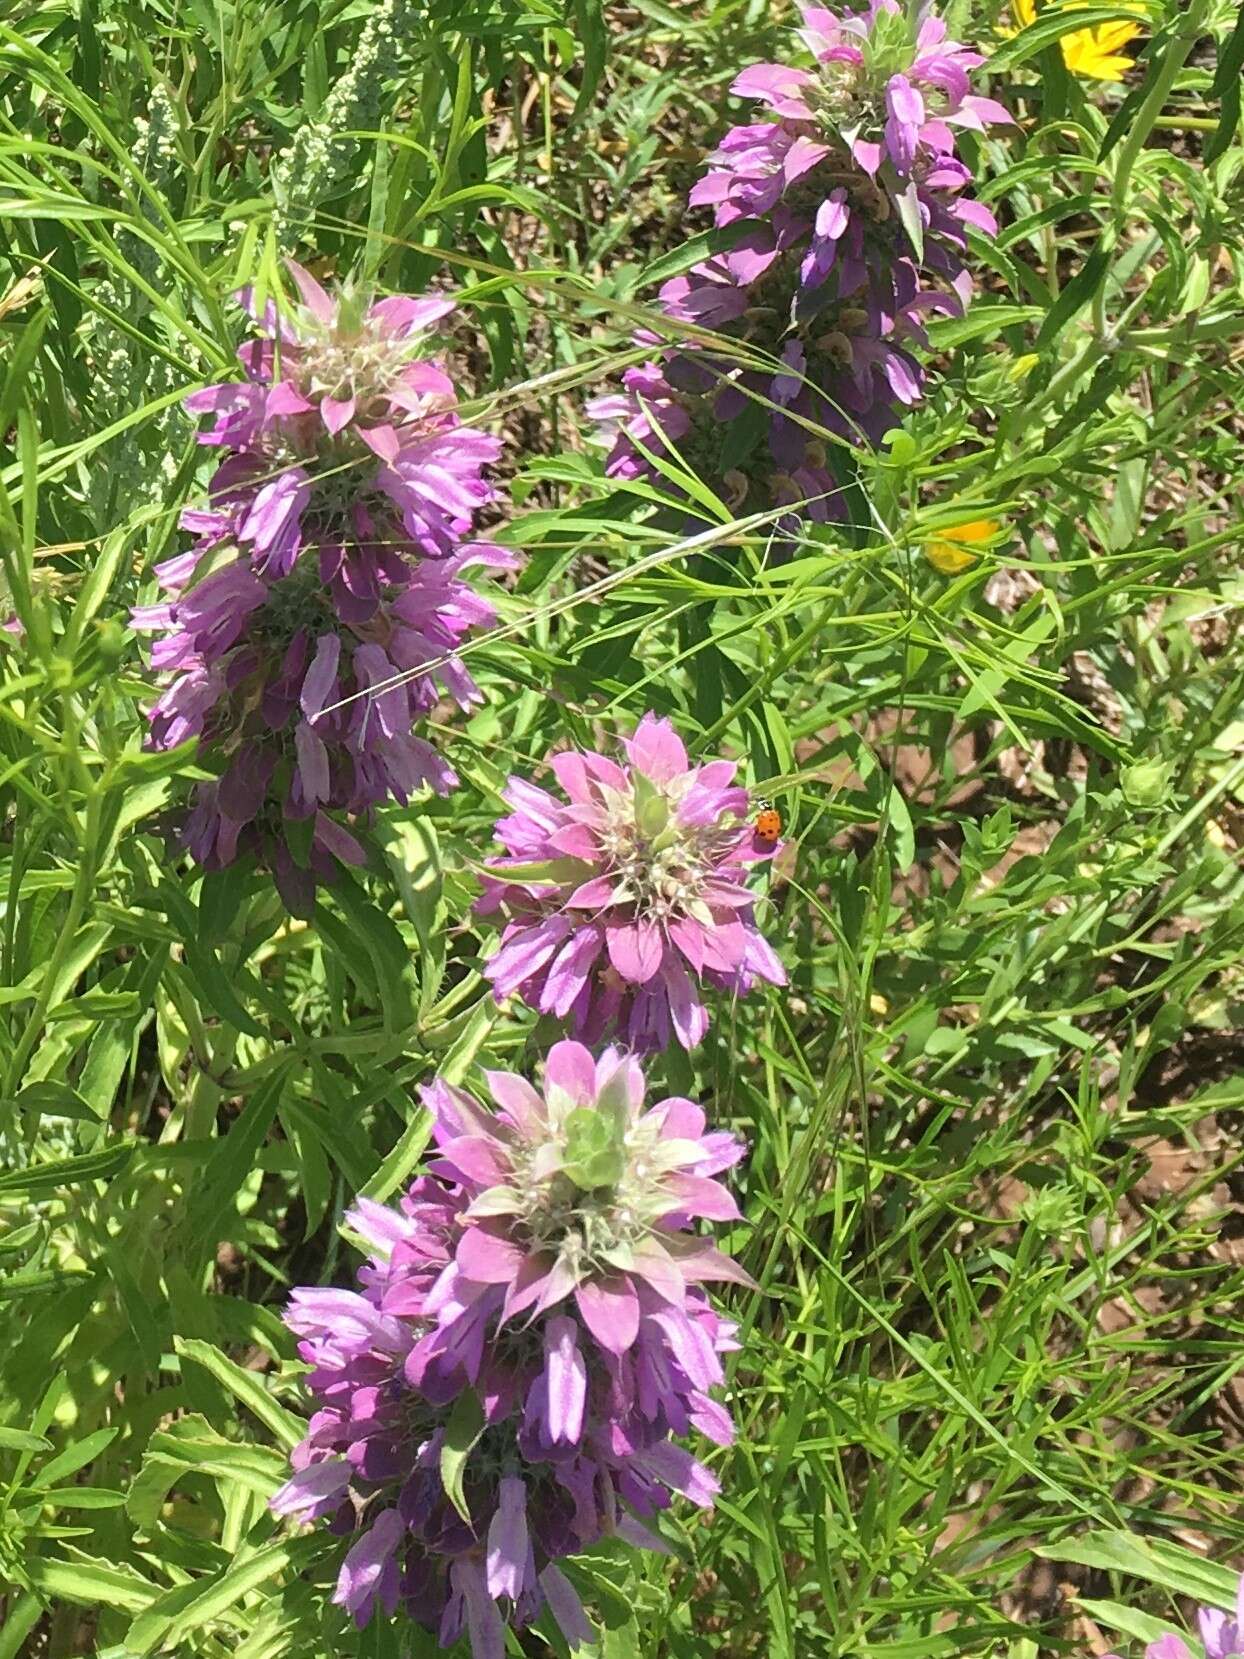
622, 899
542, 1285
873, 126
852, 214
327, 575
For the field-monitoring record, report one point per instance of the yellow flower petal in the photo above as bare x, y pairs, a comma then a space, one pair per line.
1110, 36
1094, 52
951, 550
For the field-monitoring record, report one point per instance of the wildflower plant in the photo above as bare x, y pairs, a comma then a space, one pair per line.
530, 1342
621, 900
850, 214
328, 571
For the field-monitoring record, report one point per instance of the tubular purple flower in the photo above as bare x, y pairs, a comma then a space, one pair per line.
327, 576
541, 1284
622, 899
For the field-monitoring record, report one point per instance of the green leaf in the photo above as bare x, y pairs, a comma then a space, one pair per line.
246, 1387
1227, 78
40, 1180
18, 1440
589, 18
216, 990
75, 1456
902, 829
98, 1005
1142, 1627
1077, 294
86, 1582
100, 573
1153, 1559
191, 1606
908, 204
462, 1432
232, 1158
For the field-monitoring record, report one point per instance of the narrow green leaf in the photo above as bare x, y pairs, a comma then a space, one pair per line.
462, 1432
246, 1386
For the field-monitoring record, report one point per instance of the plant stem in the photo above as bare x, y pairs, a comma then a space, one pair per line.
1150, 111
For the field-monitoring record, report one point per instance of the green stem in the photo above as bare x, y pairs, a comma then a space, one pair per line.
1185, 123
1150, 111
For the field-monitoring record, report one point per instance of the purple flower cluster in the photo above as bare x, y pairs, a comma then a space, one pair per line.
329, 563
851, 214
619, 900
1222, 1636
530, 1335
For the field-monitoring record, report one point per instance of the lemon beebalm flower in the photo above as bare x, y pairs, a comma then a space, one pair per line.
958, 546
1096, 53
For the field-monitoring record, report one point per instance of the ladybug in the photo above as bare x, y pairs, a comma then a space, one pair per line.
767, 824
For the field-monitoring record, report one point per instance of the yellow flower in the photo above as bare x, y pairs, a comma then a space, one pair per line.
951, 550
1097, 54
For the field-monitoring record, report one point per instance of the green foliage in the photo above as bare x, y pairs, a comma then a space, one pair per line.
1011, 911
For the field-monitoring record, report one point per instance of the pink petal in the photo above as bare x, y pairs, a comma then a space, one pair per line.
519, 1101
488, 1259
903, 101
702, 1262
655, 1266
336, 839
686, 1009
698, 1195
803, 155
478, 1160
690, 1346
593, 895
321, 677
314, 298
571, 1069
567, 1609
868, 155
572, 774
575, 841
569, 972
543, 1279
285, 399
780, 87
382, 441
610, 1310
403, 315
606, 771
623, 1076
336, 413
832, 216
761, 959
683, 1120
656, 750
636, 950
688, 935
